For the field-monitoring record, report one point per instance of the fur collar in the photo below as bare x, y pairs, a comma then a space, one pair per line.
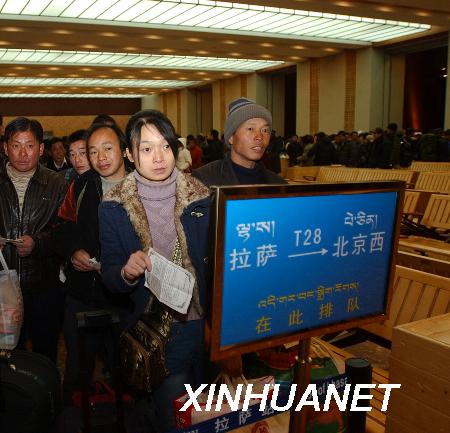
188, 190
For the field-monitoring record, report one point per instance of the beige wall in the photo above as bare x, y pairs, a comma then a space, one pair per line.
65, 125
395, 80
331, 93
152, 101
369, 95
275, 102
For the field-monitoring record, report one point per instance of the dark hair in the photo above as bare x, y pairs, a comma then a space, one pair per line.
158, 120
80, 134
215, 134
104, 119
23, 124
96, 126
392, 126
54, 140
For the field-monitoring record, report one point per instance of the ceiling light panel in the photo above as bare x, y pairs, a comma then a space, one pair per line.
91, 82
201, 14
74, 58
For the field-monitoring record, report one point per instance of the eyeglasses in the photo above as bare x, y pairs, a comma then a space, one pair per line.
265, 130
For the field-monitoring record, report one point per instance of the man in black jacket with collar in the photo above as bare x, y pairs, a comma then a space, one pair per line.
247, 131
76, 239
30, 195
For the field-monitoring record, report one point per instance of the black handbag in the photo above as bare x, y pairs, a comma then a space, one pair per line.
142, 347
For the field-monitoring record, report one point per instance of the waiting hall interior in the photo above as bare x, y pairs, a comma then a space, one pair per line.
352, 93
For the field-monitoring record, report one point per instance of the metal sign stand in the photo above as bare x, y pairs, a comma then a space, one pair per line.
302, 374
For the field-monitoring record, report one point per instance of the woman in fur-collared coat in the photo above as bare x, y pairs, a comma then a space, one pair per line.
158, 207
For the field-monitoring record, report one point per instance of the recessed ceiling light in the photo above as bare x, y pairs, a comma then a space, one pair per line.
298, 47
130, 48
167, 50
234, 54
19, 68
109, 34
73, 75
202, 52
157, 78
117, 70
103, 76
86, 69
295, 58
423, 14
62, 32
385, 9
343, 4
153, 37
89, 46
194, 40
42, 75
201, 73
330, 50
266, 44
174, 72
130, 77
12, 29
266, 56
54, 68
11, 74
206, 79
227, 74
5, 43
46, 44
230, 42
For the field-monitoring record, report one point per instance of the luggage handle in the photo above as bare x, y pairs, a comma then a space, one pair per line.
97, 319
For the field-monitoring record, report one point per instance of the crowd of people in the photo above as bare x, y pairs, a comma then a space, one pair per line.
78, 228
389, 148
79, 215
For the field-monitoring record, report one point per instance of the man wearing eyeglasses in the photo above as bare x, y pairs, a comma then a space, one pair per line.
247, 132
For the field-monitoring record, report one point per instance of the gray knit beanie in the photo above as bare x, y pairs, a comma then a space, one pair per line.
241, 110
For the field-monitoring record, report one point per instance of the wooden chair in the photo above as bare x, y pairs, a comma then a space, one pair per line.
416, 295
430, 166
436, 182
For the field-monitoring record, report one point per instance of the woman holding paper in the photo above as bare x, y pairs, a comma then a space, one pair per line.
159, 211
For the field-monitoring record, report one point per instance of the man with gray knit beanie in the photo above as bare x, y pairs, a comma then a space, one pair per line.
247, 131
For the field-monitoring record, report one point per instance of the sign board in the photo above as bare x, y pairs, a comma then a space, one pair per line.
295, 261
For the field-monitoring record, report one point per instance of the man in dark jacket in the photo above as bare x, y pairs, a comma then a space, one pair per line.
247, 131
77, 240
30, 195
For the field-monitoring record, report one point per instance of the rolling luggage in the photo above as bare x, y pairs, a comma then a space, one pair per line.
100, 418
30, 393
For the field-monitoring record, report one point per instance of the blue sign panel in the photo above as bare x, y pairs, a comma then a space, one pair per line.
296, 263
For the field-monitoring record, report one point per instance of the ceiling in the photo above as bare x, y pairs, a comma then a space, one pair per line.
139, 47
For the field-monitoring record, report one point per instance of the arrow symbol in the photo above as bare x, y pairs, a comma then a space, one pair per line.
321, 252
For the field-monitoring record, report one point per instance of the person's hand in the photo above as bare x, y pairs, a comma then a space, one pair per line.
25, 247
136, 265
80, 261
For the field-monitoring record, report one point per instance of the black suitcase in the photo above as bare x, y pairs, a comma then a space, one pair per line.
30, 393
